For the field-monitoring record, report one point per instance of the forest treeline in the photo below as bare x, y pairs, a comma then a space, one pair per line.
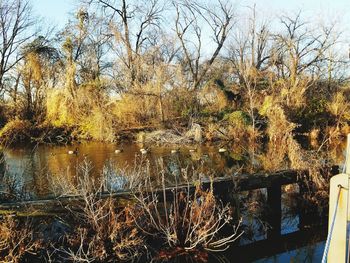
127, 65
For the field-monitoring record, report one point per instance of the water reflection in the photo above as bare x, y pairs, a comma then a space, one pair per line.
33, 166
307, 254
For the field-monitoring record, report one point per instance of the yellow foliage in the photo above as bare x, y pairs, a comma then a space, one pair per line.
98, 125
87, 112
267, 104
339, 106
15, 131
59, 109
134, 110
33, 66
70, 78
127, 110
281, 142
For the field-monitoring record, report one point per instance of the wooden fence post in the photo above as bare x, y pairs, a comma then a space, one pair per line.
274, 203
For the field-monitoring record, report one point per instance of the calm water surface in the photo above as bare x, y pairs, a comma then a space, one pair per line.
32, 166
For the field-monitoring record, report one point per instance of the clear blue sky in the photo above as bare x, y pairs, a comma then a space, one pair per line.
304, 4
315, 9
56, 11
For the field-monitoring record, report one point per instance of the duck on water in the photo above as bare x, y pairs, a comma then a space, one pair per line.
143, 151
75, 151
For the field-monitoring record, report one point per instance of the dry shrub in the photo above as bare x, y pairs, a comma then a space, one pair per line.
345, 129
127, 110
16, 239
212, 98
106, 228
84, 181
255, 211
143, 104
296, 155
292, 91
313, 136
185, 220
88, 111
15, 131
313, 194
133, 110
332, 138
94, 113
212, 132
281, 142
239, 125
255, 203
181, 102
102, 229
283, 151
339, 106
11, 188
62, 184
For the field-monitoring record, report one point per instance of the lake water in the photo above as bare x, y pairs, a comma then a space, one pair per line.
32, 166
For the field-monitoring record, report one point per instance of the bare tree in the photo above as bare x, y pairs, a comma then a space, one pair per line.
134, 25
39, 71
249, 53
300, 55
16, 24
86, 47
141, 48
192, 19
250, 46
300, 47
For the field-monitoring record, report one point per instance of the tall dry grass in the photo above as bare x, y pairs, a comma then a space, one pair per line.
282, 148
89, 111
284, 151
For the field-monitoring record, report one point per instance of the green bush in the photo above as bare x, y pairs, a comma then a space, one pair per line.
238, 119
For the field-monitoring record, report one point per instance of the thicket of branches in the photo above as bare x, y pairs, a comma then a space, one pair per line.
120, 65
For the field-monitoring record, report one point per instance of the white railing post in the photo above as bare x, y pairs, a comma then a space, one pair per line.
336, 245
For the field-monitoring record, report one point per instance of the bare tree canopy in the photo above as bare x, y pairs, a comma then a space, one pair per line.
16, 28
193, 21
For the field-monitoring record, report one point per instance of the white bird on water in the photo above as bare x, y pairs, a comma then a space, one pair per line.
222, 150
143, 151
75, 151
